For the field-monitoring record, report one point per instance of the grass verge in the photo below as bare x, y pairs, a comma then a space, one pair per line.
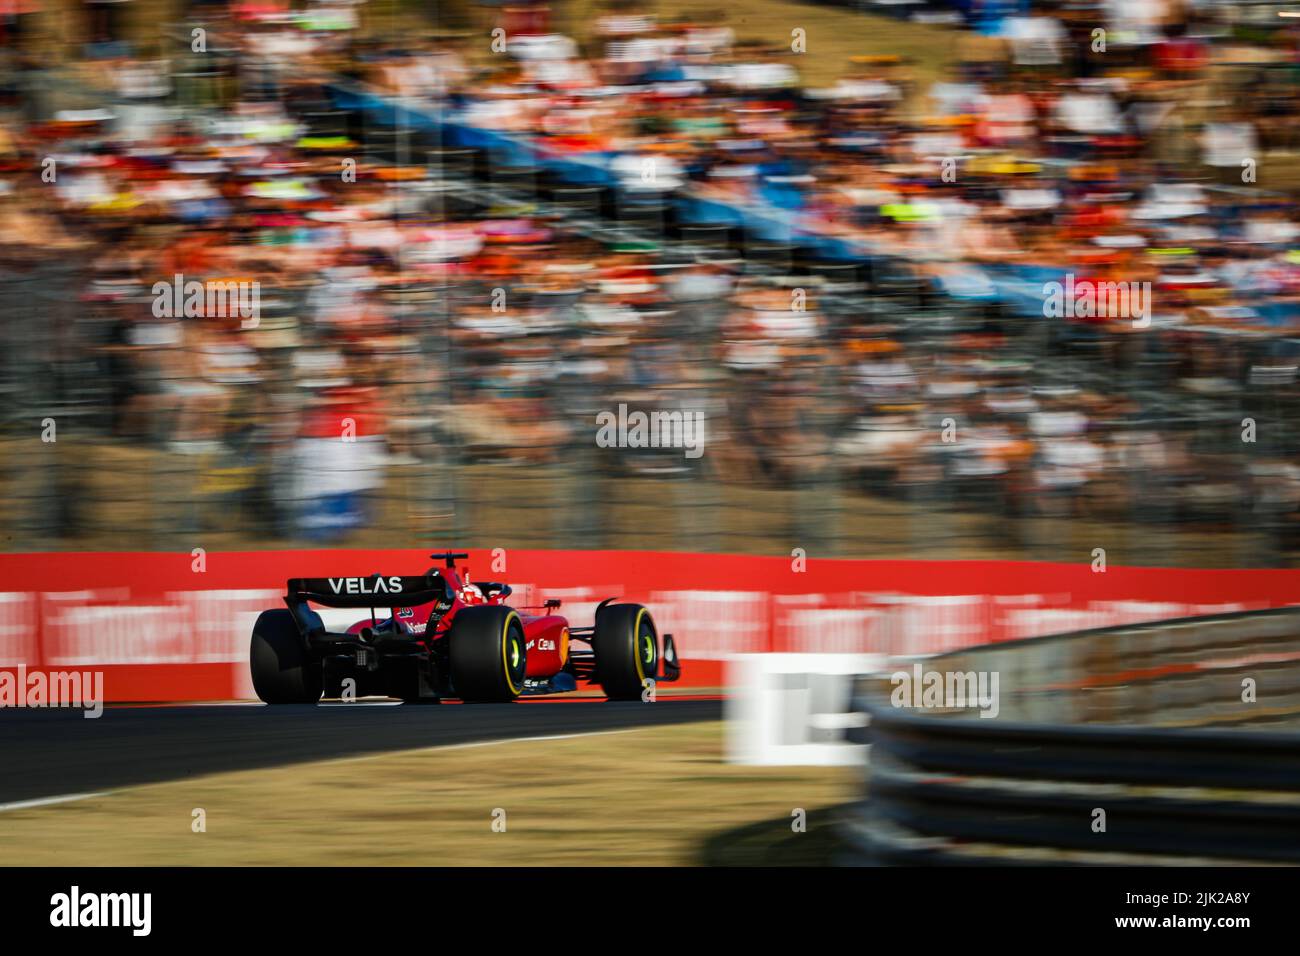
659, 796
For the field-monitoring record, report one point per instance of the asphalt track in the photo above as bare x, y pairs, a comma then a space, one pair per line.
57, 752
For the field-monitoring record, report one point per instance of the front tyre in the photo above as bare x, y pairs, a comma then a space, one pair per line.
488, 654
284, 672
626, 646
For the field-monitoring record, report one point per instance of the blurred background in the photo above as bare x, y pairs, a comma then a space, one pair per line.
826, 228
369, 274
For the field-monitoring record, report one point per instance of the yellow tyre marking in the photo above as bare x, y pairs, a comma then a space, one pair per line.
636, 645
505, 648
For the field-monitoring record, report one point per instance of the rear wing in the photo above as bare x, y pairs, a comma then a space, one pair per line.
377, 590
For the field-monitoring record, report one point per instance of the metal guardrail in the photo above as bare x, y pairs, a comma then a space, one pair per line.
1135, 744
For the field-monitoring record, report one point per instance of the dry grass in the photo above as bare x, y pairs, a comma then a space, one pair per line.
645, 797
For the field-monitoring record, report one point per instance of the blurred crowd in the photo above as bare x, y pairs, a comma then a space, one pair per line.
882, 328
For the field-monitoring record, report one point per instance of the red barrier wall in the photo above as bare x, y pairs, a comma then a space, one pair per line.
175, 626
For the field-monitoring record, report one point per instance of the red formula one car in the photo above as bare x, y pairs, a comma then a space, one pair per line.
447, 637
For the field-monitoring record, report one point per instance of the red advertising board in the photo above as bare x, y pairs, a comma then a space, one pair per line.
174, 627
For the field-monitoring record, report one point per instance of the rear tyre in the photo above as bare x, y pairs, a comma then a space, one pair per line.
626, 646
487, 653
284, 672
